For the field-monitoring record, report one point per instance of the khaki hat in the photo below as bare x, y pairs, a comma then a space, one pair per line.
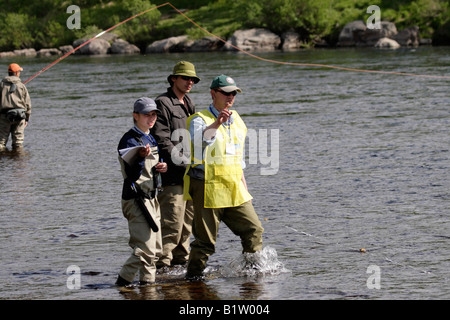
184, 68
14, 67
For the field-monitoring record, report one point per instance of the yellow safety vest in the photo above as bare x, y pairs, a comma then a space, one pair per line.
222, 160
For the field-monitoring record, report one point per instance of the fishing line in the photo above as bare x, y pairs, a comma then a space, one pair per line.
88, 41
302, 64
233, 46
324, 241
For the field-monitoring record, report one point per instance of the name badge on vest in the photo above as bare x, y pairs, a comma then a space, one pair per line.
233, 149
230, 149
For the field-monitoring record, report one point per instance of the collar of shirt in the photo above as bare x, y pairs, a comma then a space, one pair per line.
174, 97
148, 136
186, 106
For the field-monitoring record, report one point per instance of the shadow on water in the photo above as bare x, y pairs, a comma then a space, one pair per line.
247, 277
14, 154
176, 290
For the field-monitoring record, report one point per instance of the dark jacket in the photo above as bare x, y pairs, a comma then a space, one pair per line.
139, 171
173, 117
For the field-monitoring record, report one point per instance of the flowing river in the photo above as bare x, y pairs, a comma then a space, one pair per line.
349, 172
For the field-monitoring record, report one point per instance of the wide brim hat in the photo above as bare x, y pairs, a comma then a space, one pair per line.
183, 68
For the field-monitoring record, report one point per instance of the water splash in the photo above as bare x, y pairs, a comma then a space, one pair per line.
264, 262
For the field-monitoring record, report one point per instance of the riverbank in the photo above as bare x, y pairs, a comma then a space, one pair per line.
52, 24
354, 34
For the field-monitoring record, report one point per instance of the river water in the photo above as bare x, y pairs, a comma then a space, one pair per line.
343, 161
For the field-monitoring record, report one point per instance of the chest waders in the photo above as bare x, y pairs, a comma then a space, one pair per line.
140, 195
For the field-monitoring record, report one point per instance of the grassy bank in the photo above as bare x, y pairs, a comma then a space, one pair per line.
43, 24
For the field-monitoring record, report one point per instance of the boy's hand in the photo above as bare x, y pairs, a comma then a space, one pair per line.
145, 151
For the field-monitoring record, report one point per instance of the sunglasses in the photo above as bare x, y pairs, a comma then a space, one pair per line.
186, 78
232, 93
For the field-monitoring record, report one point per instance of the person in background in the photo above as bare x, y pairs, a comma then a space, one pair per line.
139, 195
215, 179
15, 108
175, 106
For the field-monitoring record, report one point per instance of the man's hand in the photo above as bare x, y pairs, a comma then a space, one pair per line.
223, 116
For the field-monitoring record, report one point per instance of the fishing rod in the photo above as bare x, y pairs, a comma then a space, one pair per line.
93, 38
233, 46
298, 63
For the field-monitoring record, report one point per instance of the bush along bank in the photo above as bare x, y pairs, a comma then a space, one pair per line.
354, 34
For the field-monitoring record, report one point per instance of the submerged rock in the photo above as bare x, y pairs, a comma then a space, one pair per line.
386, 43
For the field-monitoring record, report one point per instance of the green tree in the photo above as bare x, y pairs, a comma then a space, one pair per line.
137, 30
311, 18
15, 32
25, 23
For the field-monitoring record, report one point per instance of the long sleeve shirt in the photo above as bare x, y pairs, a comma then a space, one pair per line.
196, 129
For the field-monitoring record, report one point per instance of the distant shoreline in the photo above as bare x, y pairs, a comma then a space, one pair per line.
355, 34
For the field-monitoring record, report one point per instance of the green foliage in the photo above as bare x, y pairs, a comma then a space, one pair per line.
38, 24
218, 18
137, 30
15, 31
87, 32
313, 19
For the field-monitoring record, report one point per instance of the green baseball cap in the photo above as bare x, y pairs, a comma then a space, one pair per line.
225, 83
184, 68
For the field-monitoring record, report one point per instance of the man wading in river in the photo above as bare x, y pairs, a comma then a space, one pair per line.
175, 106
15, 108
215, 179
